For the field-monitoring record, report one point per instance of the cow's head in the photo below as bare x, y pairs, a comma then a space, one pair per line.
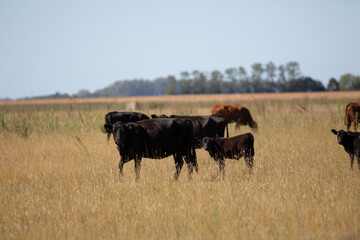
253, 125
121, 132
108, 130
208, 143
341, 135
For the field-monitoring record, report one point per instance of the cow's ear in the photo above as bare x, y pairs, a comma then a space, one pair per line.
108, 128
154, 116
334, 131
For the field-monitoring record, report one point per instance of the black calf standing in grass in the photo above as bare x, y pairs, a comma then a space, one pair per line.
351, 143
233, 148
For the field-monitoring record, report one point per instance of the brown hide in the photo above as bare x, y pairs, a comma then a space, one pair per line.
352, 114
235, 113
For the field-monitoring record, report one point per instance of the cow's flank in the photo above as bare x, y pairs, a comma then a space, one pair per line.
235, 113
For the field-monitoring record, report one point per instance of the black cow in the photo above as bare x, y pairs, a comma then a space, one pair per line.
155, 138
204, 126
233, 148
351, 143
124, 117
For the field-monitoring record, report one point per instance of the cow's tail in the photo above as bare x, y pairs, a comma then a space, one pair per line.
348, 116
346, 113
249, 159
108, 137
193, 156
192, 152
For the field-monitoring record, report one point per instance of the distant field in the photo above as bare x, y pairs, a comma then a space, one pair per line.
59, 176
195, 98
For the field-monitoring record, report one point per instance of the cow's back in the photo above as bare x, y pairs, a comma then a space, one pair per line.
232, 112
168, 134
240, 112
220, 109
243, 141
124, 117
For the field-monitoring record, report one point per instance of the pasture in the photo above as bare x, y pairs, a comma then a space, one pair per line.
59, 175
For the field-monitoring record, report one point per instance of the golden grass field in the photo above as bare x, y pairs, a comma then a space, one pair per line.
59, 176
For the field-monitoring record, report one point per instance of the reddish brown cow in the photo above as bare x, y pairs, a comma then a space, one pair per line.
352, 114
235, 113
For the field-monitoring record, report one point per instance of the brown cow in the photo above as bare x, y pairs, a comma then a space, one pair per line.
235, 113
352, 114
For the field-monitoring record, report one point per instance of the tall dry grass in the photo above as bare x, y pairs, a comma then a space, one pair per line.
60, 180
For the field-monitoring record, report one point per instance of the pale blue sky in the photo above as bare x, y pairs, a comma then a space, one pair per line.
48, 46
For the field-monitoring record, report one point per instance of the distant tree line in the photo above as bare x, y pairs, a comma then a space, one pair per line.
261, 78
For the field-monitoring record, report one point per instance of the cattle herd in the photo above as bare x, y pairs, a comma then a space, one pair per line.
137, 136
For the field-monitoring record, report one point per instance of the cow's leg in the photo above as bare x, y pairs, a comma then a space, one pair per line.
193, 159
355, 124
348, 123
190, 169
356, 120
351, 161
179, 162
237, 125
189, 164
249, 160
222, 166
358, 161
137, 167
121, 166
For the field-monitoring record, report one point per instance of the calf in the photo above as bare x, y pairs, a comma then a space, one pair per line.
351, 143
233, 148
156, 139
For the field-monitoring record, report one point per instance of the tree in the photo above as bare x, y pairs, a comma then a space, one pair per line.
171, 87
270, 85
83, 93
199, 82
333, 85
293, 70
215, 82
306, 84
185, 86
270, 70
242, 74
356, 83
281, 82
185, 83
231, 84
349, 82
244, 83
345, 82
257, 71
